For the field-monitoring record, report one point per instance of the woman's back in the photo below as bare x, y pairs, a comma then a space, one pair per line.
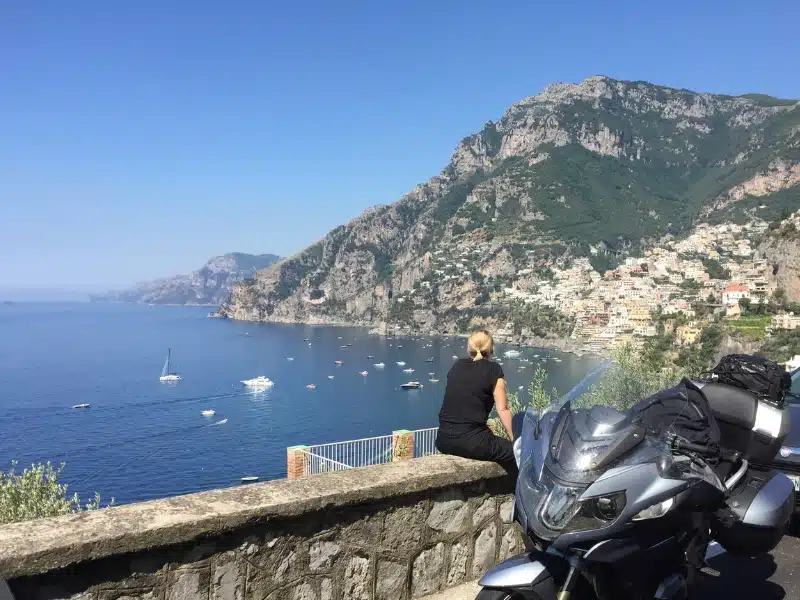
469, 395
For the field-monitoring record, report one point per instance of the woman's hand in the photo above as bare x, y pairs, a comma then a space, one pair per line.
501, 404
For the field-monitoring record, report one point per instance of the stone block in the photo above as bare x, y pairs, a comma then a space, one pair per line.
505, 510
188, 585
511, 544
403, 528
391, 582
322, 554
485, 550
484, 512
357, 583
227, 578
427, 572
304, 591
459, 560
450, 516
326, 589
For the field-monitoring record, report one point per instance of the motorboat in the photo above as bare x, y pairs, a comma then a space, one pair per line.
80, 406
411, 385
249, 479
408, 370
311, 386
370, 357
208, 413
512, 354
338, 362
401, 364
364, 373
289, 358
429, 360
434, 380
260, 381
330, 376
379, 365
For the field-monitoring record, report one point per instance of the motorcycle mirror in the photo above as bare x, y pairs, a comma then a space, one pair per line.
5, 591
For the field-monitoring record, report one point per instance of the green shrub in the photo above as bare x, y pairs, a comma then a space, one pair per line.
36, 493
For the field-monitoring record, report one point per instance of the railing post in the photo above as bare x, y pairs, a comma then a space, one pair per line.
402, 445
296, 461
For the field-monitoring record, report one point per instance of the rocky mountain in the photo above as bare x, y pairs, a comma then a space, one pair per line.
600, 168
209, 285
781, 249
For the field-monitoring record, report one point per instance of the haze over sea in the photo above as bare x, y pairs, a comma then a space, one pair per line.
142, 439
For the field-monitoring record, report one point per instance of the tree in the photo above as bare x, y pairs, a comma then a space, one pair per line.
744, 304
36, 493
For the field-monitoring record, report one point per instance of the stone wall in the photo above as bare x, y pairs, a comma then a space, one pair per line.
395, 531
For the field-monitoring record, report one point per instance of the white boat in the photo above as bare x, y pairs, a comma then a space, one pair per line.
289, 358
338, 362
434, 380
249, 479
311, 386
431, 374
429, 360
364, 373
208, 413
165, 374
408, 370
557, 359
522, 387
401, 364
411, 385
455, 357
260, 381
330, 376
512, 353
80, 406
379, 365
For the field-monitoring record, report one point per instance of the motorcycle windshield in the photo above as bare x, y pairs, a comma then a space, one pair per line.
573, 442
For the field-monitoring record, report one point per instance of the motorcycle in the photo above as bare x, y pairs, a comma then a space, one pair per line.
613, 507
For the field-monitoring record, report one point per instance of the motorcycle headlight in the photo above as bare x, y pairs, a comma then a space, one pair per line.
655, 511
563, 512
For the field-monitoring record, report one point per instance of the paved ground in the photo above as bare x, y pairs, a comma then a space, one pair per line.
771, 577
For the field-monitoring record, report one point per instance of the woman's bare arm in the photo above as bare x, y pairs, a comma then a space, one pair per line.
501, 404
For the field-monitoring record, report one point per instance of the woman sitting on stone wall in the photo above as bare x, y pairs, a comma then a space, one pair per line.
474, 385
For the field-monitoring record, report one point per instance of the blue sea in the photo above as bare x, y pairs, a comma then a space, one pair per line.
142, 439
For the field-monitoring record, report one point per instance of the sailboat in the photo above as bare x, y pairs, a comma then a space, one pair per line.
165, 374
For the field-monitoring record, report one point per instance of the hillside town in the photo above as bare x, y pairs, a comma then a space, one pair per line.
714, 266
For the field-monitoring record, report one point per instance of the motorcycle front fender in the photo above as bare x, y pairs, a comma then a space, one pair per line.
538, 572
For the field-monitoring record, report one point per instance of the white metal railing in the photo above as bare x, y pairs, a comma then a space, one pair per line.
425, 442
338, 456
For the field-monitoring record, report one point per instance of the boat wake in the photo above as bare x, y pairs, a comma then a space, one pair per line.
222, 422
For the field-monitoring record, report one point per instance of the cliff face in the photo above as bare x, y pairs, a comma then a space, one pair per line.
781, 249
209, 285
603, 163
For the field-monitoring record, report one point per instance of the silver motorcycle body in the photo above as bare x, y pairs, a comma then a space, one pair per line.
614, 511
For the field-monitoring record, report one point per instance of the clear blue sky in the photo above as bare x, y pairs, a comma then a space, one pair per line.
139, 138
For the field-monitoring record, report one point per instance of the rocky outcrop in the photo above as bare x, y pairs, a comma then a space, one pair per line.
209, 285
602, 163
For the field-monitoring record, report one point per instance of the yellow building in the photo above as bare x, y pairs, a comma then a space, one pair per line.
687, 334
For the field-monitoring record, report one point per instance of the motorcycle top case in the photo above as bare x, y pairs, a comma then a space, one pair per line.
756, 513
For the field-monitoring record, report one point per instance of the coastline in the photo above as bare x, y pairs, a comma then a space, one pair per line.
560, 344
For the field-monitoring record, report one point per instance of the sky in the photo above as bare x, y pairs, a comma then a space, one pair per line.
137, 139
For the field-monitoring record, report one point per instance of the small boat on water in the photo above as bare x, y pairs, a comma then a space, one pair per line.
80, 406
411, 385
455, 357
338, 362
408, 370
400, 363
289, 358
165, 374
522, 387
370, 357
208, 413
306, 340
249, 479
258, 382
330, 376
364, 373
429, 360
512, 354
343, 346
431, 374
433, 380
311, 386
379, 365
348, 345
557, 359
